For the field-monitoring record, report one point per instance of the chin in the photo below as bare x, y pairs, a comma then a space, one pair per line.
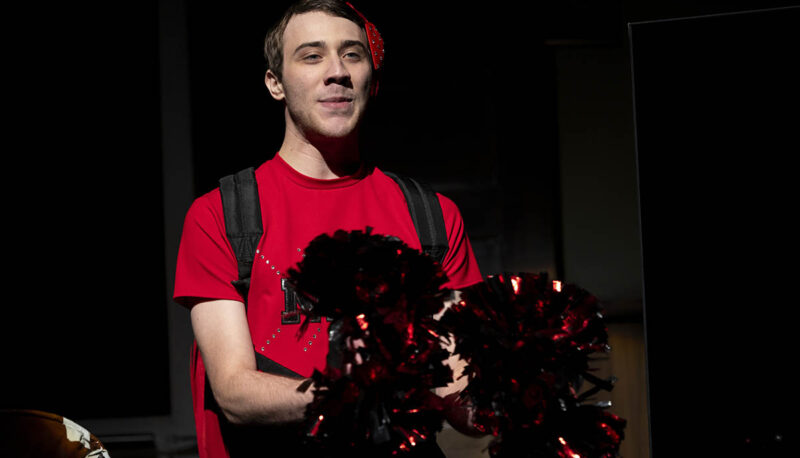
337, 130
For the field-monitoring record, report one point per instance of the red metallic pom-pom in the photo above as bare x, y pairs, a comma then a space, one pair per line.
386, 351
527, 342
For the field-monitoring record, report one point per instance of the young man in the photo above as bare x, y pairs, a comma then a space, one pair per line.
322, 67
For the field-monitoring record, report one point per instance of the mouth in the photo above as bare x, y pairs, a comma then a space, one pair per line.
336, 102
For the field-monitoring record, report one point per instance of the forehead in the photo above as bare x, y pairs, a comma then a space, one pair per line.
320, 26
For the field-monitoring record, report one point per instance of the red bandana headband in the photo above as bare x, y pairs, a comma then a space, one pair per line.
374, 39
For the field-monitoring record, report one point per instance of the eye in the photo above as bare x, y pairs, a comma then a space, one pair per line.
312, 57
353, 55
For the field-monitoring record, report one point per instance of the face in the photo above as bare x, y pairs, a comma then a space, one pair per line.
326, 75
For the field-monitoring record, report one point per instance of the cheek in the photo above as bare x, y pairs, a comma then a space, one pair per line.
297, 95
297, 83
361, 74
369, 78
364, 87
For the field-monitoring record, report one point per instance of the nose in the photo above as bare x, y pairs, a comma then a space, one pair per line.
337, 73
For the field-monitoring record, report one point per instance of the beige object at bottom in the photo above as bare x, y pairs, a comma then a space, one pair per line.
35, 434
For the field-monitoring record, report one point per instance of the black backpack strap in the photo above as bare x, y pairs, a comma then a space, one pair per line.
426, 212
240, 205
242, 209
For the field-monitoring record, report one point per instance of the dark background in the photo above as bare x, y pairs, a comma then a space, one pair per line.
85, 333
716, 139
472, 100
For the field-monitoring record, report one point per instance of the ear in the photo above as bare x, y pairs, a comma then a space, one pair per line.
274, 85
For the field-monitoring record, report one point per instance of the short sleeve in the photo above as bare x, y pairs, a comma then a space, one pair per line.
206, 264
459, 262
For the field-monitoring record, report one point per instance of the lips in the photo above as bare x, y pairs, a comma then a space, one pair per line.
336, 102
336, 99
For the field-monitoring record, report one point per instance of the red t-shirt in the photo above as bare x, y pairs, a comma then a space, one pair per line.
295, 210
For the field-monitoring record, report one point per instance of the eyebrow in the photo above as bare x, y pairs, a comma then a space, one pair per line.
321, 44
351, 43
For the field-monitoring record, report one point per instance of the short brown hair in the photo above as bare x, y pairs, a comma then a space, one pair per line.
273, 43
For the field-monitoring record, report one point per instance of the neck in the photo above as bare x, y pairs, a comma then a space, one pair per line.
321, 158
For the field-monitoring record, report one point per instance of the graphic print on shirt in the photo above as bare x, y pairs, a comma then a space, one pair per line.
293, 303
